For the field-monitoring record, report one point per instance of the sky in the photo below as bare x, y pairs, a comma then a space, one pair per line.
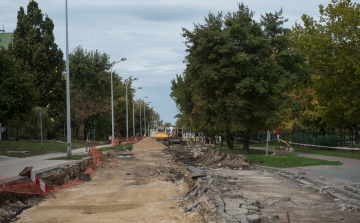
147, 33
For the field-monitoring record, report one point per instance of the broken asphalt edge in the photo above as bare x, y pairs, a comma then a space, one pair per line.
314, 181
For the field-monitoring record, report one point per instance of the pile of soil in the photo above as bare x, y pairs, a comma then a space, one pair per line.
148, 144
12, 204
197, 155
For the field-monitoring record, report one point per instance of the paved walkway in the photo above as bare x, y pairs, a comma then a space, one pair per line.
12, 166
348, 173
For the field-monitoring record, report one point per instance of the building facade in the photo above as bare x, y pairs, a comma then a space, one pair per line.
5, 39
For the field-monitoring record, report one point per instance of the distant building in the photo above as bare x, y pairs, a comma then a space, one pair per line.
5, 39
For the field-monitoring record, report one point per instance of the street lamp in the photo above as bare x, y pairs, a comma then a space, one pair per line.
127, 119
145, 117
133, 102
68, 117
112, 100
140, 115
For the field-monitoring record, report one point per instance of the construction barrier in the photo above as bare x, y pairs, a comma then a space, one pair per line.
345, 148
288, 149
37, 186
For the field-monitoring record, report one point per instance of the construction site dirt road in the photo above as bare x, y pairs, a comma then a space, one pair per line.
191, 184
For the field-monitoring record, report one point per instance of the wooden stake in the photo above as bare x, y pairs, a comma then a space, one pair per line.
288, 217
52, 194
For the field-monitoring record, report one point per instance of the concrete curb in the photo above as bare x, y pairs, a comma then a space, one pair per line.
317, 182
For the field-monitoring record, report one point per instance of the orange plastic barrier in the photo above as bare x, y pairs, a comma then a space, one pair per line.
8, 184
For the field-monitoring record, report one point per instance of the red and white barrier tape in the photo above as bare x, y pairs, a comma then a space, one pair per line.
345, 148
38, 181
288, 149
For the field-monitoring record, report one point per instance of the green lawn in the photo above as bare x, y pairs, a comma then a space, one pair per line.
35, 147
288, 160
315, 150
285, 161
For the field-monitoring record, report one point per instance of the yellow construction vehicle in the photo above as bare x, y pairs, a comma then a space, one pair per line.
168, 135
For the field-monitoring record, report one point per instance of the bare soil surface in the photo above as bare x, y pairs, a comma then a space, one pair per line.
189, 184
144, 189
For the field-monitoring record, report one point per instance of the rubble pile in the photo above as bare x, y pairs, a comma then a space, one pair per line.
12, 204
60, 175
198, 155
218, 199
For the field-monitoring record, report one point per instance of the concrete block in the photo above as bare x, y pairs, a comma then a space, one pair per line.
253, 218
126, 157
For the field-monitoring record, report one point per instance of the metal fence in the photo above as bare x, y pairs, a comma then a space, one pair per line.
335, 138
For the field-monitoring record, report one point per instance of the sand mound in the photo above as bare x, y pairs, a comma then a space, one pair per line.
148, 144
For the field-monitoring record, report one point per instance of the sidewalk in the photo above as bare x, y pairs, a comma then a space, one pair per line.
346, 174
12, 166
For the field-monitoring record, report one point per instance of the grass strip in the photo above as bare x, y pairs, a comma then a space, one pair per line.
351, 154
258, 157
288, 161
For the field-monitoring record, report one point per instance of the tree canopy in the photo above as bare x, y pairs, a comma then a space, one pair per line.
331, 46
17, 95
237, 71
37, 54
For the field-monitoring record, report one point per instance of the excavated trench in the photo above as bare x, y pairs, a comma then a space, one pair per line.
213, 187
225, 188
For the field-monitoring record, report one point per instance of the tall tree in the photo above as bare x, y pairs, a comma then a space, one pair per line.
38, 55
90, 89
17, 96
332, 49
238, 70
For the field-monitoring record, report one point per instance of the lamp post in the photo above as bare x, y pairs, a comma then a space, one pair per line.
112, 100
145, 117
68, 120
127, 118
140, 115
133, 102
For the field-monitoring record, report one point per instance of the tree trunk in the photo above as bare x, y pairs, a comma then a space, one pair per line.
212, 139
222, 141
85, 133
230, 141
246, 145
17, 134
206, 138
